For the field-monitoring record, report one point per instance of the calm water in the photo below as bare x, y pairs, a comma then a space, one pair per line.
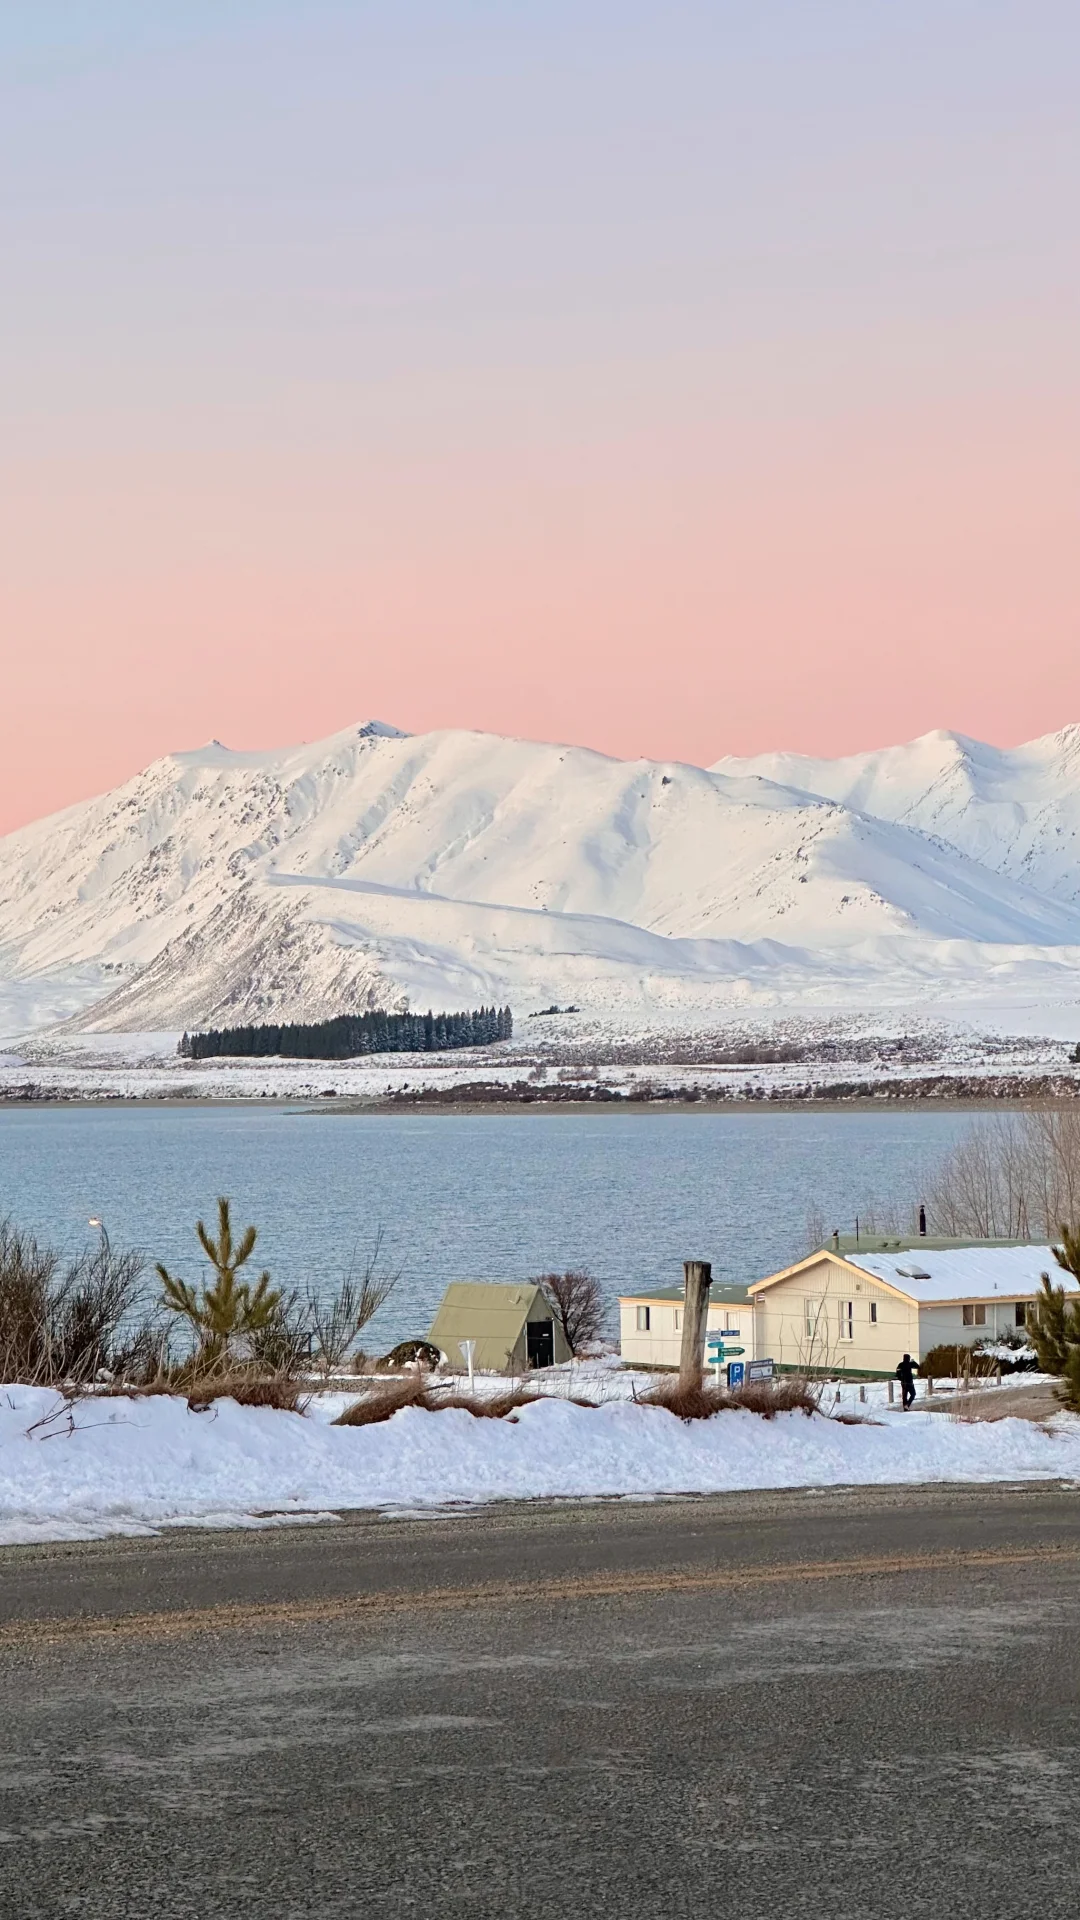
492, 1196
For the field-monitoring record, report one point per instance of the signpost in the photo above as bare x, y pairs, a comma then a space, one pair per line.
760, 1370
719, 1352
735, 1373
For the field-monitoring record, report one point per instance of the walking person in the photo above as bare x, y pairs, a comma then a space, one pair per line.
905, 1373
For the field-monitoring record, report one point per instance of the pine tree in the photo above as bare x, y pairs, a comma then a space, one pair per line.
1054, 1323
230, 1309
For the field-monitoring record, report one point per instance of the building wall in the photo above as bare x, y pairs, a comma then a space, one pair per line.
805, 1321
944, 1326
661, 1344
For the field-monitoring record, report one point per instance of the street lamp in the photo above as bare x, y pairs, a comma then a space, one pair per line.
104, 1232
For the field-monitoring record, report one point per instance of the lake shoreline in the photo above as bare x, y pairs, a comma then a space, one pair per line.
675, 1104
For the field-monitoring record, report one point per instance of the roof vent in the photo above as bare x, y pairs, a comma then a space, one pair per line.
913, 1273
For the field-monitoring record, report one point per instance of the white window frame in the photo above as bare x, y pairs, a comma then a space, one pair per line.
846, 1316
974, 1313
815, 1318
643, 1320
873, 1313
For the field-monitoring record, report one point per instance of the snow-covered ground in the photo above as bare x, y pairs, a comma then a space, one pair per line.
781, 1056
107, 1466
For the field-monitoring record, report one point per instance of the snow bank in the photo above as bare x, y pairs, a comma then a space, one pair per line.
132, 1466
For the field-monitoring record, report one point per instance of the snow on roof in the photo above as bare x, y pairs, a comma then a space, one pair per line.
965, 1273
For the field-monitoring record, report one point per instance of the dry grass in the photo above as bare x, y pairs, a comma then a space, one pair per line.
280, 1391
251, 1389
383, 1401
766, 1398
389, 1396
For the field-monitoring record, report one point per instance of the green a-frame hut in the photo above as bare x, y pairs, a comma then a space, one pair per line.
513, 1326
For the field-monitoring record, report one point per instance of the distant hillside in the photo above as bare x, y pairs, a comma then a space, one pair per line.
456, 869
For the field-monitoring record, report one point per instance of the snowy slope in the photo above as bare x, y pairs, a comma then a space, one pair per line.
1014, 809
452, 867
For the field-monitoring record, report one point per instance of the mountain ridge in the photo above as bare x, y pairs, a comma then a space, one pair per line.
377, 867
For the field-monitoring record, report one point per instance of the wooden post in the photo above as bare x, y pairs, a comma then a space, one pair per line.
697, 1278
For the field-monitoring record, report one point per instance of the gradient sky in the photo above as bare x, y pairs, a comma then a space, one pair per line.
678, 379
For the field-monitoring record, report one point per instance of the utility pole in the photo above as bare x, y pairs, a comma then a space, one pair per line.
697, 1278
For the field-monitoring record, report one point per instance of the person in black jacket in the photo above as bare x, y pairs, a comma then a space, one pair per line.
905, 1373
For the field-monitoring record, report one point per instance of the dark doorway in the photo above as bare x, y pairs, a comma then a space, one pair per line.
540, 1343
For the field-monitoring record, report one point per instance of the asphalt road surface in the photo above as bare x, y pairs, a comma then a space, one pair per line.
852, 1705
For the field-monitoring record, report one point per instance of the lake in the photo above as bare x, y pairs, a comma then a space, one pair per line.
485, 1196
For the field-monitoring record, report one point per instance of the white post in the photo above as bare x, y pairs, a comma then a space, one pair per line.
468, 1348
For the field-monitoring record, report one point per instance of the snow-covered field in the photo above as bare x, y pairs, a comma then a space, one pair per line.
131, 1466
576, 1056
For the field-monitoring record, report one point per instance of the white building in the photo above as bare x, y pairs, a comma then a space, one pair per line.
862, 1308
650, 1324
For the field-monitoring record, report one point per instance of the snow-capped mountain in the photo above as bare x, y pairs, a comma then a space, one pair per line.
450, 868
1014, 809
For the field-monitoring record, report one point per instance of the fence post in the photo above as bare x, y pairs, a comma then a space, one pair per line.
697, 1278
892, 1384
862, 1395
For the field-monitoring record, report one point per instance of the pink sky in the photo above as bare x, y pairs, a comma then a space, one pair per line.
656, 436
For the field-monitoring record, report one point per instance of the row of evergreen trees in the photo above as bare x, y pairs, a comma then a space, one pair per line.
352, 1034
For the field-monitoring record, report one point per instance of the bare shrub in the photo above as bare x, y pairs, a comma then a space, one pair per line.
815, 1232
65, 1322
578, 1304
1014, 1176
951, 1362
88, 1309
337, 1318
281, 1344
27, 1275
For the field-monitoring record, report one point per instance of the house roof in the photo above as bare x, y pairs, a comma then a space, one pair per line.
977, 1271
723, 1296
850, 1243
965, 1273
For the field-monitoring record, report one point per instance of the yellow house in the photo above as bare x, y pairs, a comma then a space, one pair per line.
862, 1308
650, 1324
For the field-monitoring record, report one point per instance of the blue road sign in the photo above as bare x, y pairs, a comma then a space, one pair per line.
735, 1373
